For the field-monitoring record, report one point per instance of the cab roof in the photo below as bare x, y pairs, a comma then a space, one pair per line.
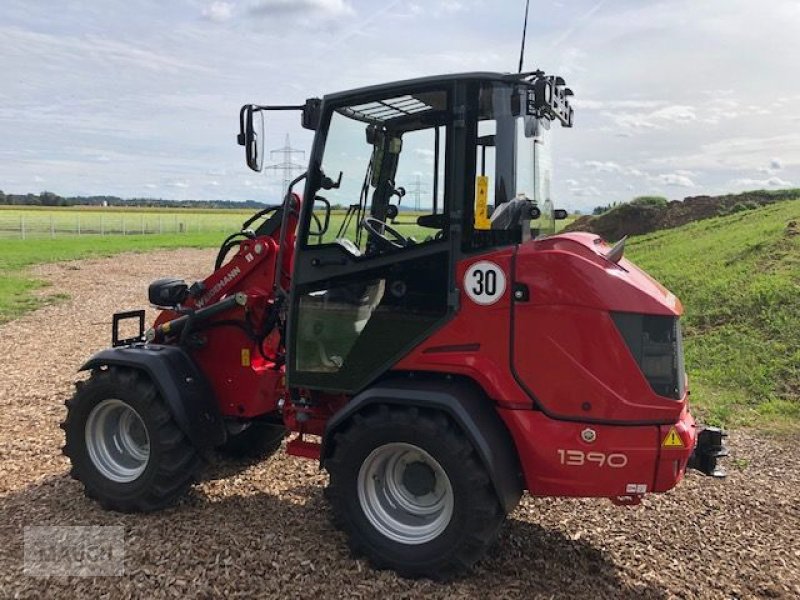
426, 82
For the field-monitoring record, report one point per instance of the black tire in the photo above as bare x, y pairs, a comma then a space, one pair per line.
172, 464
476, 512
258, 441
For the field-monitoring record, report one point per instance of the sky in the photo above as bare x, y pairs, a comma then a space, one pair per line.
140, 98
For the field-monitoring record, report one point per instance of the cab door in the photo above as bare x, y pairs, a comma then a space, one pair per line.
359, 304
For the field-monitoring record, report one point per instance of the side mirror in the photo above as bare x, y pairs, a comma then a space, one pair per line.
251, 135
320, 218
560, 214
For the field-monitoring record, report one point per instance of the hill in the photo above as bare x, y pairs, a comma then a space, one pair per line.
640, 217
739, 279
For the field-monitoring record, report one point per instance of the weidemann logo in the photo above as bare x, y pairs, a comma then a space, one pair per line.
233, 274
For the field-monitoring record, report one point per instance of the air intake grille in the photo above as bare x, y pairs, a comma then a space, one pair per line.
657, 345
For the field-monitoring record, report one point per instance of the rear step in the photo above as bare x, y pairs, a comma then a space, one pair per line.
710, 448
300, 447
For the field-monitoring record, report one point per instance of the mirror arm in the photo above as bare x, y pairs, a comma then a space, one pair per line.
329, 184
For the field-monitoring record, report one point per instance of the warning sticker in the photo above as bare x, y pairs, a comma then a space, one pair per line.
673, 440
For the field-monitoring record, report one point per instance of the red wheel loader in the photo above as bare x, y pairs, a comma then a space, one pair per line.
437, 363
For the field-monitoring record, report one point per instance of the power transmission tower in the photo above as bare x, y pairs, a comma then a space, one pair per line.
417, 189
286, 166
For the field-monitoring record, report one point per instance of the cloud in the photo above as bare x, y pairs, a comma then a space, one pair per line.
760, 183
776, 164
677, 179
218, 11
582, 191
660, 118
603, 166
179, 184
316, 8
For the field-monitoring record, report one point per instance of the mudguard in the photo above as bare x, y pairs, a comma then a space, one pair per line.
182, 385
467, 405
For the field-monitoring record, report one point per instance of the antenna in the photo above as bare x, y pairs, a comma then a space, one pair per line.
524, 33
287, 166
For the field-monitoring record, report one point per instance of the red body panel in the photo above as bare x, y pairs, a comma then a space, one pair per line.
619, 461
483, 329
556, 364
246, 381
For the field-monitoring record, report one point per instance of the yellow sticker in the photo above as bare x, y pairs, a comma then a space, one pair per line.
245, 357
481, 203
673, 440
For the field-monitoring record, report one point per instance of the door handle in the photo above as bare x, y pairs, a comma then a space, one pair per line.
328, 262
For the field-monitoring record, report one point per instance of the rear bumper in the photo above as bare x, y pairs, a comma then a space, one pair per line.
567, 458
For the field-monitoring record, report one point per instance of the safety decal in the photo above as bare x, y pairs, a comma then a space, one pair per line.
484, 283
673, 440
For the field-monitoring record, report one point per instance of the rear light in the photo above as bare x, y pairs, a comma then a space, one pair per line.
656, 344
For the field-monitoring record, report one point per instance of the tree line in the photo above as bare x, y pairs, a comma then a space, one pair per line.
50, 199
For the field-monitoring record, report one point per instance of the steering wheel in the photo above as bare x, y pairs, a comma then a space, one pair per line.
378, 230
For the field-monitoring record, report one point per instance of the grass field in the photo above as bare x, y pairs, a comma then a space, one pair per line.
739, 280
37, 222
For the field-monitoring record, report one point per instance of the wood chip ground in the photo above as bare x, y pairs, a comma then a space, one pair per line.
263, 530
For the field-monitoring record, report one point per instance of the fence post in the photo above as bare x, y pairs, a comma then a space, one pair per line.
160, 225
124, 230
79, 224
102, 224
22, 225
52, 228
142, 224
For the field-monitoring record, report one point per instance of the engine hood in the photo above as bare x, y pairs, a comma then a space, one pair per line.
572, 269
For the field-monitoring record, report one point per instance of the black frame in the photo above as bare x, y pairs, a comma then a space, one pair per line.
308, 269
458, 211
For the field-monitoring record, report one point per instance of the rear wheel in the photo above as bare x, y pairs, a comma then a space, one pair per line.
124, 445
411, 493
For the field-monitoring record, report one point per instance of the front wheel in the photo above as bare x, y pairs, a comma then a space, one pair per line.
124, 445
411, 493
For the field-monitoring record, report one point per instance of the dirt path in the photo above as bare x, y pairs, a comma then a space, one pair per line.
264, 530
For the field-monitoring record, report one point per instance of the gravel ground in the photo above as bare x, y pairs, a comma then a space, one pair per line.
264, 529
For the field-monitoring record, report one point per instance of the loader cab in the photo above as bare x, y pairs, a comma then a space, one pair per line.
420, 174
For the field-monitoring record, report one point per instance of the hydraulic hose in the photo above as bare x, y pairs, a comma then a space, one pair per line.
176, 326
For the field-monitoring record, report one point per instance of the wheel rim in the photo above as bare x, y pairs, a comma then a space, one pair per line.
405, 493
117, 441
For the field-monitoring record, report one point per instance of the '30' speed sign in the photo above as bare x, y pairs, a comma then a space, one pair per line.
484, 282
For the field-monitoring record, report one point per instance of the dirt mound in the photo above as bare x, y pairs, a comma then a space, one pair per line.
638, 219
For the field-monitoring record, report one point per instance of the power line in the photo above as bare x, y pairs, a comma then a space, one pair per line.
287, 166
417, 189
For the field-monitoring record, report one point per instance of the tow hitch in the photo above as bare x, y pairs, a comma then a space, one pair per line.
710, 448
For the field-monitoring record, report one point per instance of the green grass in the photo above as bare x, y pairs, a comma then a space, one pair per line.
739, 280
16, 287
54, 221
